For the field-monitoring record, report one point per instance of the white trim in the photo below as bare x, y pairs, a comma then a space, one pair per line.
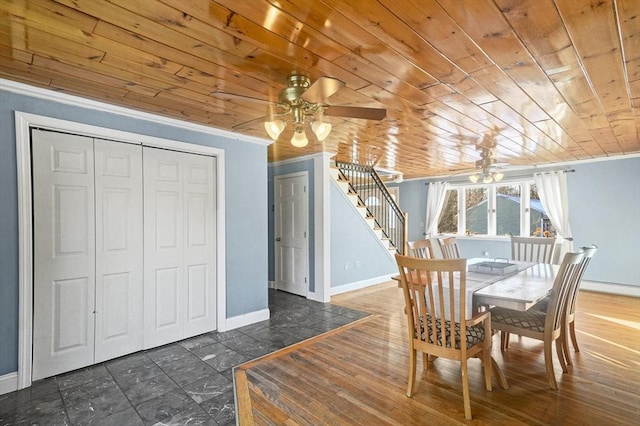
25, 253
76, 101
322, 228
8, 383
247, 319
25, 225
611, 288
360, 284
302, 158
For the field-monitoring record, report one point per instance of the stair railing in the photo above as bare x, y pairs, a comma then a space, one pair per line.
372, 193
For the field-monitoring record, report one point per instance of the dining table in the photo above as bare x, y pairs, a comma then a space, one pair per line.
528, 284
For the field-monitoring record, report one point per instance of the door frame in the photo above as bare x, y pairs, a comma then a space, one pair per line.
304, 174
23, 122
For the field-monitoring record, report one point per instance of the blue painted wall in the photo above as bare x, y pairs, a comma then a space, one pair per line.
413, 200
246, 209
604, 208
353, 241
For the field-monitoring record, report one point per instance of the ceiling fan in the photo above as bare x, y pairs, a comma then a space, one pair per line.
303, 101
487, 162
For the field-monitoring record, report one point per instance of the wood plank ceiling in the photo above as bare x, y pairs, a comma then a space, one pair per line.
549, 81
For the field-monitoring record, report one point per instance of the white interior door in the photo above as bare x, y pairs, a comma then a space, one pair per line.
179, 255
64, 253
118, 185
291, 247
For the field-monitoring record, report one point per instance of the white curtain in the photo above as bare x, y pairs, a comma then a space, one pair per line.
435, 202
552, 189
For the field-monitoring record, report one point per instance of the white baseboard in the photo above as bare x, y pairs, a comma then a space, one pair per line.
8, 383
246, 319
612, 288
316, 297
359, 284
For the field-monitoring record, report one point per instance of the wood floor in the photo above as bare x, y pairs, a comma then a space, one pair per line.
358, 374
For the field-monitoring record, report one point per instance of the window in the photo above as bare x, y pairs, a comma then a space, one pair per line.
512, 208
476, 206
508, 209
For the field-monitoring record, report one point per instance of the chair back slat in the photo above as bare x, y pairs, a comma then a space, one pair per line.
532, 249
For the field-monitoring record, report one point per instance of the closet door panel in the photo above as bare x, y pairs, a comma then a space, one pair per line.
199, 253
64, 253
163, 247
119, 271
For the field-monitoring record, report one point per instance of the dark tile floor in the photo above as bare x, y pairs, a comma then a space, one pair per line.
187, 382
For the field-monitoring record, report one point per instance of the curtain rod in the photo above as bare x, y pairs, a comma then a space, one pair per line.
506, 177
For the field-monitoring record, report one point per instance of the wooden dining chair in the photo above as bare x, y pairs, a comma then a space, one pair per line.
529, 249
532, 249
421, 248
437, 318
545, 326
449, 248
570, 330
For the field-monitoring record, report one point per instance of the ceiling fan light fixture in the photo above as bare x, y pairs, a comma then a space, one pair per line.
497, 176
487, 179
304, 101
474, 178
299, 138
321, 129
274, 128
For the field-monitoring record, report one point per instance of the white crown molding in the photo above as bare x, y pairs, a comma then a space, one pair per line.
302, 158
64, 98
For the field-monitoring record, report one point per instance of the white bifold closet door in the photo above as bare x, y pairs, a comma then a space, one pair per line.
124, 253
87, 251
179, 256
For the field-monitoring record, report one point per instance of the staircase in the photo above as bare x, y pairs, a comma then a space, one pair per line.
361, 184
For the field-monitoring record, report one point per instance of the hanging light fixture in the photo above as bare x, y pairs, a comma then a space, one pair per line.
274, 128
299, 138
320, 126
486, 163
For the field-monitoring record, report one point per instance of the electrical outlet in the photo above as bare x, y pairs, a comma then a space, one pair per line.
346, 266
485, 253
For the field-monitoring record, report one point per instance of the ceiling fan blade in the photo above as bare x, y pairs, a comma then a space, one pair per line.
227, 95
356, 112
250, 123
273, 112
321, 89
